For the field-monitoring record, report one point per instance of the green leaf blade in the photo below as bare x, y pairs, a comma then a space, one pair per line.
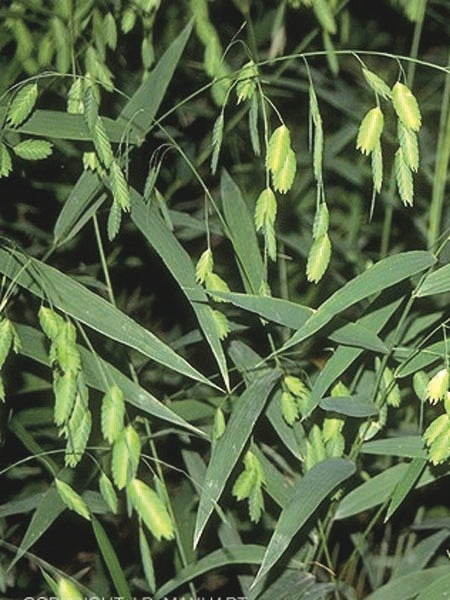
77, 301
378, 277
149, 222
241, 232
305, 498
231, 444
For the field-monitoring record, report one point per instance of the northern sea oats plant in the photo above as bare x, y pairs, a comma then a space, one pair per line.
224, 258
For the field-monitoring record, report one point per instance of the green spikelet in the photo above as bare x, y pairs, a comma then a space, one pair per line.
222, 324
219, 424
406, 106
108, 493
404, 178
318, 258
204, 266
217, 137
409, 145
284, 178
71, 499
246, 83
377, 167
369, 131
378, 85
119, 187
324, 15
75, 97
102, 143
125, 456
244, 484
6, 339
437, 438
321, 221
289, 407
279, 146
66, 589
50, 322
78, 430
151, 509
33, 149
315, 448
214, 282
22, 104
5, 161
266, 209
65, 390
114, 220
253, 116
113, 413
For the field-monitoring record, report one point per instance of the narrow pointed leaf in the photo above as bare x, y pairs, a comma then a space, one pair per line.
355, 406
140, 111
343, 357
409, 446
48, 510
437, 282
148, 220
406, 485
247, 554
276, 310
112, 562
98, 373
80, 303
241, 232
417, 557
377, 490
239, 428
355, 334
146, 559
408, 586
438, 590
385, 273
305, 498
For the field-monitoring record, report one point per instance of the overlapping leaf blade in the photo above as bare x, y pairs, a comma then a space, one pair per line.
385, 273
376, 490
343, 357
77, 301
98, 373
148, 220
408, 586
276, 310
239, 428
437, 282
135, 120
241, 232
304, 500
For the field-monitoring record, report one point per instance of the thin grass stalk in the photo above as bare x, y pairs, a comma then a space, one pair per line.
441, 167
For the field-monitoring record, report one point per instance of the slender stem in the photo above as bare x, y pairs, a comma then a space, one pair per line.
160, 473
388, 214
369, 528
103, 260
324, 536
416, 41
441, 167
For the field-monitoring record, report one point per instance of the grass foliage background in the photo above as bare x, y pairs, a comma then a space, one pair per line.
245, 331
